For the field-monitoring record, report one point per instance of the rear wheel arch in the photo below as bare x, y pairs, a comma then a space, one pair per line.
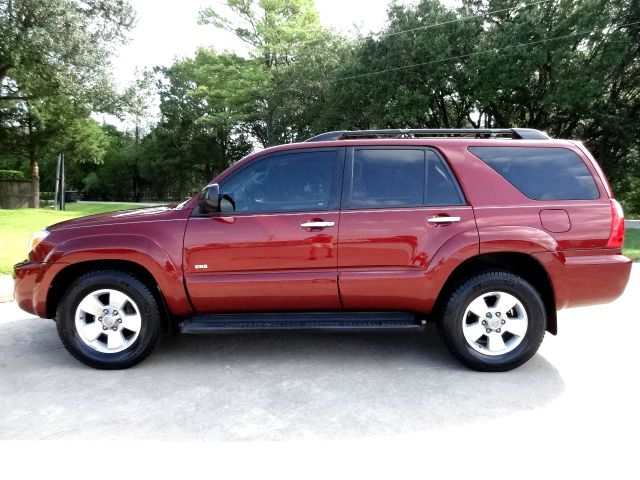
67, 275
520, 264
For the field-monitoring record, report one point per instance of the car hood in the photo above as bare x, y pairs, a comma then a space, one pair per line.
122, 216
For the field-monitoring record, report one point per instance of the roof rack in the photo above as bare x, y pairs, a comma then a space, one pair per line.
512, 133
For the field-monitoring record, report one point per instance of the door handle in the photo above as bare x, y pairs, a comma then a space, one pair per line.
317, 224
443, 220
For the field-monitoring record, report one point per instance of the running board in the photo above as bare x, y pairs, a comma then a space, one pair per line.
322, 321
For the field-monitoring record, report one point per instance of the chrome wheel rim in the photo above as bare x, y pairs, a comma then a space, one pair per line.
495, 323
108, 321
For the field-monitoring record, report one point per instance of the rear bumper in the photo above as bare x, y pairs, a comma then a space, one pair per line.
587, 277
31, 285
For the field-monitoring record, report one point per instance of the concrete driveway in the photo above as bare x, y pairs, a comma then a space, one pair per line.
366, 402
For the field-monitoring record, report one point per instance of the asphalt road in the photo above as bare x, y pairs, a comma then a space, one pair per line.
372, 404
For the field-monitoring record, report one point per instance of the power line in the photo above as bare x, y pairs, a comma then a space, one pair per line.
471, 17
492, 50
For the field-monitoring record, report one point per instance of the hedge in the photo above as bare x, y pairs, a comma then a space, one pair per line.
11, 175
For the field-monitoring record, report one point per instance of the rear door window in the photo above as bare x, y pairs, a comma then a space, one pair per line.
388, 178
541, 173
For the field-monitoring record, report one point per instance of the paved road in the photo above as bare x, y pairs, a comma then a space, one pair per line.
393, 404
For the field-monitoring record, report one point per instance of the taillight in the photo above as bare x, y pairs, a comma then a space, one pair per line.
616, 237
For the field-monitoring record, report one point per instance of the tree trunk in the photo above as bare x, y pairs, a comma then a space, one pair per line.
35, 170
35, 183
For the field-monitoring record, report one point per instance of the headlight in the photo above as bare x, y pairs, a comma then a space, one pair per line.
36, 238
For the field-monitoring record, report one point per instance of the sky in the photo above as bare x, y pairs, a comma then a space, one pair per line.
168, 29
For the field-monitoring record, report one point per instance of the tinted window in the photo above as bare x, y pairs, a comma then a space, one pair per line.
441, 188
541, 173
289, 182
387, 178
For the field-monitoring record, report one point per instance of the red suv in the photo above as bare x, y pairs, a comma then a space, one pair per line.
485, 232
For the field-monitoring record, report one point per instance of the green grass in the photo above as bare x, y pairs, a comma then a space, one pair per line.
632, 244
16, 227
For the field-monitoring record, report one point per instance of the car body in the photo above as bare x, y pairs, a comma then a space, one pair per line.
350, 226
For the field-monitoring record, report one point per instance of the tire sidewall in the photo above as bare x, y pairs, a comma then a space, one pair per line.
137, 291
453, 318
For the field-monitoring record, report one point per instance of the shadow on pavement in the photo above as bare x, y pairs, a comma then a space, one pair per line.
255, 387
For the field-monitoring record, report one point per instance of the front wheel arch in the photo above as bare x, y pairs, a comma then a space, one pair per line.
66, 276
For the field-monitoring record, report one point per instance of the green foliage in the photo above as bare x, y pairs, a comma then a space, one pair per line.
54, 71
60, 47
203, 102
11, 175
280, 34
568, 67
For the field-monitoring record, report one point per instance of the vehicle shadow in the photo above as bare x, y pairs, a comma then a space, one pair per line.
269, 386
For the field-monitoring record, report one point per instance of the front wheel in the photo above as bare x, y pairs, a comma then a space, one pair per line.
494, 322
109, 320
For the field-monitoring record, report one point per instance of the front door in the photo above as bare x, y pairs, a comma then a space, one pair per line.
277, 250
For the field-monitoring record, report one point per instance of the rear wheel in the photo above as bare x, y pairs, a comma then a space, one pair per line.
494, 322
109, 320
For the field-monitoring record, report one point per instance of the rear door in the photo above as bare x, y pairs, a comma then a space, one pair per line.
277, 250
399, 206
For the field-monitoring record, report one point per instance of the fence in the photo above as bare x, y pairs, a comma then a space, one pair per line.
15, 194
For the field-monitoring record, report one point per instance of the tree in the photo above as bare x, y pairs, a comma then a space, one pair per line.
198, 134
136, 105
277, 32
409, 75
575, 73
51, 52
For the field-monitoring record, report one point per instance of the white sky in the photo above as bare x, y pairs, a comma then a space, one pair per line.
167, 29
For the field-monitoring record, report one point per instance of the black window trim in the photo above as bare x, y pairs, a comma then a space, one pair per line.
334, 196
347, 187
586, 164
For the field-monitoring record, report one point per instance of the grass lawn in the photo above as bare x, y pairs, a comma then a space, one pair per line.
16, 227
632, 243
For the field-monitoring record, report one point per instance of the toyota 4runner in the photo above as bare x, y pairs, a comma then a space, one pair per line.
485, 232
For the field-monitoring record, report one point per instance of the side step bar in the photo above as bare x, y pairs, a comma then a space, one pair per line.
322, 321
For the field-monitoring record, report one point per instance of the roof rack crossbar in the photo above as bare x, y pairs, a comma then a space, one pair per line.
513, 133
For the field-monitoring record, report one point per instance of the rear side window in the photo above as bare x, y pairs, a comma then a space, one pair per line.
441, 188
541, 173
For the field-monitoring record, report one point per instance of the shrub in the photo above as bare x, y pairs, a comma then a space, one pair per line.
11, 175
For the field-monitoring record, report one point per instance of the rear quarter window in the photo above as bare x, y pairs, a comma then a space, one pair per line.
541, 173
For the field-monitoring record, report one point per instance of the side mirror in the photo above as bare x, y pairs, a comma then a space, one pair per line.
209, 200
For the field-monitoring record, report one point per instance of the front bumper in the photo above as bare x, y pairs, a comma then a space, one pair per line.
31, 285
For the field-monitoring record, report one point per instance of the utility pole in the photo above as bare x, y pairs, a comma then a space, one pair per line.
137, 153
62, 183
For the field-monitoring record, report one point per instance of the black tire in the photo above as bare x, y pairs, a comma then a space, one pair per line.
149, 310
453, 313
